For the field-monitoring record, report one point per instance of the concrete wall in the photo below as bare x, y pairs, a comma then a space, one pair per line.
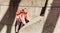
33, 7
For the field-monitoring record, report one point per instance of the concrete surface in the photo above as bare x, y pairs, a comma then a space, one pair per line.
33, 13
30, 5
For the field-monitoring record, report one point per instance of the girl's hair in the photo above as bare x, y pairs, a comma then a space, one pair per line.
22, 9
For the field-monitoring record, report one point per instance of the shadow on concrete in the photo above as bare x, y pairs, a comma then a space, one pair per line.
9, 17
52, 18
44, 9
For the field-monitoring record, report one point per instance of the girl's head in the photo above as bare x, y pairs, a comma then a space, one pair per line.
24, 11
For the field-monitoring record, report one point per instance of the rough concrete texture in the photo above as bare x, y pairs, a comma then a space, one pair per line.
34, 9
32, 3
25, 2
57, 28
29, 4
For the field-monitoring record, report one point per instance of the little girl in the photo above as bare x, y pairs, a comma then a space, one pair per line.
21, 19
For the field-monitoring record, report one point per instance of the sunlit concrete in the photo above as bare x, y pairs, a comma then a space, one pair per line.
33, 13
4, 29
32, 3
25, 2
3, 10
37, 26
4, 2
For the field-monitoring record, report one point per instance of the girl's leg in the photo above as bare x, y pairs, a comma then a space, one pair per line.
17, 26
21, 25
